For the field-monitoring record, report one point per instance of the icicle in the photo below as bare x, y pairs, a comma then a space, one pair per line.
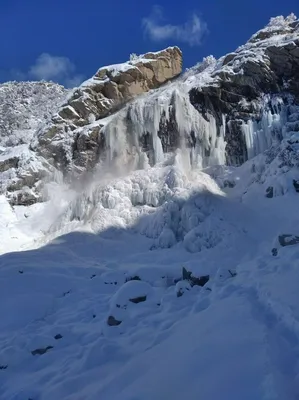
261, 135
143, 117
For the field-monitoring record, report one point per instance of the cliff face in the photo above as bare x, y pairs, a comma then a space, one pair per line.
110, 89
137, 114
268, 64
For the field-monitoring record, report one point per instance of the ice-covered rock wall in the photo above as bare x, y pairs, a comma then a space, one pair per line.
138, 114
152, 128
270, 128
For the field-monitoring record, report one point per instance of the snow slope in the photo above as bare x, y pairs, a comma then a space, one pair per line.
236, 337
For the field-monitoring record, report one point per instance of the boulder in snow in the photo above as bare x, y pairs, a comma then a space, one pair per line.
182, 287
283, 241
111, 321
131, 292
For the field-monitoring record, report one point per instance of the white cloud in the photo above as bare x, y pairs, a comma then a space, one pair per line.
51, 67
55, 68
191, 32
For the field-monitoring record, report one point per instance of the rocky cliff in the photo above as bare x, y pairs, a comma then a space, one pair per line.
139, 113
267, 64
109, 89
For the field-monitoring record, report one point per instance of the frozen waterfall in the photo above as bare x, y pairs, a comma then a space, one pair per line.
261, 135
149, 129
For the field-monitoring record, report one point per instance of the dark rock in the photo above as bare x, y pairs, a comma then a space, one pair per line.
41, 351
200, 281
9, 163
87, 149
229, 184
137, 300
3, 367
296, 185
23, 198
58, 336
232, 273
288, 240
236, 151
194, 281
274, 252
169, 131
111, 321
133, 278
229, 58
270, 192
186, 274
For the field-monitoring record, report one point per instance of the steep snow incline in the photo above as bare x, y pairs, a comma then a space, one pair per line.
236, 337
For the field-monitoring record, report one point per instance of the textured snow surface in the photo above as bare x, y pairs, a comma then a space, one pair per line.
236, 337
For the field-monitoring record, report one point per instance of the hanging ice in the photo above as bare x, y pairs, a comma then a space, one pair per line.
136, 132
260, 135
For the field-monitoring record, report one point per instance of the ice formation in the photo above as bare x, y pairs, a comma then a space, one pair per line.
162, 191
134, 138
270, 129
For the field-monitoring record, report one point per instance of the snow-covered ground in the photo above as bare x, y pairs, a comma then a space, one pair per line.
234, 338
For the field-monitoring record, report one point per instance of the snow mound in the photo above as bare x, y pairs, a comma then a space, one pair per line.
130, 292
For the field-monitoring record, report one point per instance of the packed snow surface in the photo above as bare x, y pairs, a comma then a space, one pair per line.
126, 238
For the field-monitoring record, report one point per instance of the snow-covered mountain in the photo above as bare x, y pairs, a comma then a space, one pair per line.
149, 229
24, 106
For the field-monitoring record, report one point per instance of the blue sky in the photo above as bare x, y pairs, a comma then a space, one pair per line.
68, 40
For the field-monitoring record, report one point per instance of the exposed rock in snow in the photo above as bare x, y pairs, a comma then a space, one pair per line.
129, 292
182, 287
